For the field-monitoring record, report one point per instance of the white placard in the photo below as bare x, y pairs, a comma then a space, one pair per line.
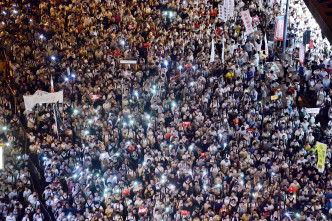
312, 110
128, 62
247, 21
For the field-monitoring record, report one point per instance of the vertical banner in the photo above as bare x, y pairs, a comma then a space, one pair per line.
220, 10
279, 30
223, 51
321, 151
1, 158
266, 47
302, 54
247, 21
260, 4
229, 6
213, 53
60, 126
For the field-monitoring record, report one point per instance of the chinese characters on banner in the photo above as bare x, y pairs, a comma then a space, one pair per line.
302, 54
279, 31
321, 151
247, 21
229, 5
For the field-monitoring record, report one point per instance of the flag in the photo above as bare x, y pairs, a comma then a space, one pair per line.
52, 85
184, 213
186, 124
125, 192
204, 154
60, 126
321, 151
266, 47
142, 210
292, 189
212, 51
94, 97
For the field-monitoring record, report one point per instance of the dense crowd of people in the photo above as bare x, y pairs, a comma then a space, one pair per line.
174, 136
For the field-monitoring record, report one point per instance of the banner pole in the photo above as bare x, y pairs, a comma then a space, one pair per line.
285, 29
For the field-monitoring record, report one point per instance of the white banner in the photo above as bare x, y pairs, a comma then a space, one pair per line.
266, 47
229, 5
302, 54
220, 11
247, 21
312, 110
40, 97
128, 62
279, 30
213, 53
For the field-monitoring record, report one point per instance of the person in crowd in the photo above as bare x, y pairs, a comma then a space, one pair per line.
184, 132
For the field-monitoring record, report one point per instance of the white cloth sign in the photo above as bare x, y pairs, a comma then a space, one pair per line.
279, 31
42, 97
266, 47
302, 54
247, 21
312, 110
220, 11
213, 53
229, 5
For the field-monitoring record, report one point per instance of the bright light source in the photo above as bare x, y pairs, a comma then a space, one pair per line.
53, 58
173, 104
66, 79
287, 214
90, 121
136, 93
166, 62
41, 36
148, 117
73, 75
180, 67
4, 128
192, 84
123, 42
75, 111
4, 12
7, 144
3, 22
14, 11
131, 122
194, 67
259, 186
30, 20
86, 132
225, 144
297, 215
